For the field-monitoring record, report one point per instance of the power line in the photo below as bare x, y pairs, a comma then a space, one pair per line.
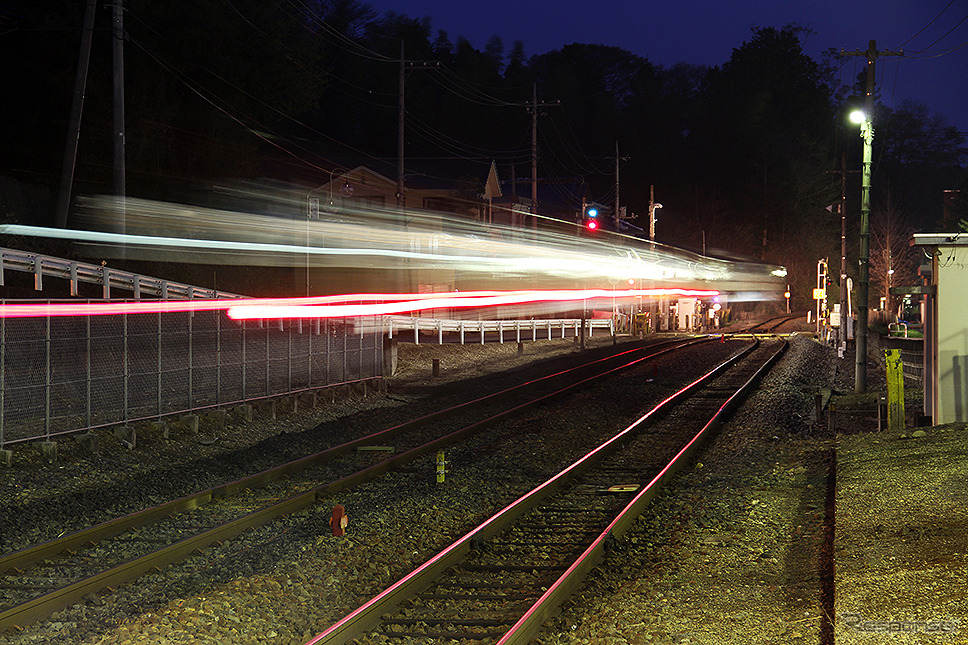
931, 22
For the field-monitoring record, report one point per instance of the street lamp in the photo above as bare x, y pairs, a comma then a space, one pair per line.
867, 133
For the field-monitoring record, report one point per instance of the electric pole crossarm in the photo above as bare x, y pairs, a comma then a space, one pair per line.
533, 109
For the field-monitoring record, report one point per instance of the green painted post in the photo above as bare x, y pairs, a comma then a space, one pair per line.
895, 389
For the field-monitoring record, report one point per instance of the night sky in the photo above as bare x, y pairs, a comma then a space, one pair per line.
932, 33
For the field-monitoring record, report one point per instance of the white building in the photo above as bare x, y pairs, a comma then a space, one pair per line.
946, 327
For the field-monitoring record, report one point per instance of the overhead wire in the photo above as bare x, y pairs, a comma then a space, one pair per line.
210, 98
454, 147
930, 22
351, 46
480, 99
459, 86
458, 149
366, 92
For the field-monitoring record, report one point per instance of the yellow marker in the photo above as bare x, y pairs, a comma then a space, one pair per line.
441, 466
895, 389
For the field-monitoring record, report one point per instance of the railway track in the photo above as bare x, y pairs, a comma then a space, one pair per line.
39, 580
500, 581
771, 325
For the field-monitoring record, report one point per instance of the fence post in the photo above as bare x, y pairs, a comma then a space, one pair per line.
244, 388
47, 376
191, 361
218, 358
895, 389
159, 358
127, 376
87, 369
3, 370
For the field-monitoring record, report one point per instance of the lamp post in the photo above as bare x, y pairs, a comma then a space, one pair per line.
867, 133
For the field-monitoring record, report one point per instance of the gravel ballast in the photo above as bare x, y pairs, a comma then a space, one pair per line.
732, 552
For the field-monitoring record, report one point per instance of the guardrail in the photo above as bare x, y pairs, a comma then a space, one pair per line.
138, 285
903, 329
547, 328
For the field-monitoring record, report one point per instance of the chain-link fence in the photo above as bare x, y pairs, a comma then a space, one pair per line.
64, 374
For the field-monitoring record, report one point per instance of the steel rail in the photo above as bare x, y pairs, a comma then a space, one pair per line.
547, 606
370, 614
46, 604
138, 519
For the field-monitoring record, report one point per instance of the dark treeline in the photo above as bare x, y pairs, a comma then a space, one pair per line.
740, 154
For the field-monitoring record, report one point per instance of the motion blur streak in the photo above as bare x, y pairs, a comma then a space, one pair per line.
360, 236
363, 248
360, 304
244, 311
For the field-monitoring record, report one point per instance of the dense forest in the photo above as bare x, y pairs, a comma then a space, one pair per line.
746, 156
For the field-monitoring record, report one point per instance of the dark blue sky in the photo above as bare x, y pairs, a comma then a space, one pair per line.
932, 33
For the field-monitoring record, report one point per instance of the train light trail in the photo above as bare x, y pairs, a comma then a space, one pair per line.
352, 305
385, 245
453, 301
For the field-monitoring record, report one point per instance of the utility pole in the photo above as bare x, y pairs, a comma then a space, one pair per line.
617, 207
77, 107
401, 112
533, 108
117, 33
867, 131
400, 123
653, 206
534, 149
842, 211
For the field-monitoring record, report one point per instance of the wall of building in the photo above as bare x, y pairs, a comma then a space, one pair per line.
951, 340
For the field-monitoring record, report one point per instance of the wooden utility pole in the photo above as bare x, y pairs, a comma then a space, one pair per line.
618, 215
867, 131
842, 211
117, 33
533, 108
400, 123
77, 107
534, 149
401, 120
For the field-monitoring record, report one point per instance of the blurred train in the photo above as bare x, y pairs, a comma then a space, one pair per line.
382, 251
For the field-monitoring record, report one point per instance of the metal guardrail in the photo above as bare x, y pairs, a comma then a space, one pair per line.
42, 266
546, 328
904, 329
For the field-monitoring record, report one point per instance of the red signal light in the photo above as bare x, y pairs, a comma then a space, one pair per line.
592, 225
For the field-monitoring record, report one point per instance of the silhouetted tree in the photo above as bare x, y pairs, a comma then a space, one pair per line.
765, 137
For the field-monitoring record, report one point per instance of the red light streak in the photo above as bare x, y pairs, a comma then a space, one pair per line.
360, 304
41, 310
453, 301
